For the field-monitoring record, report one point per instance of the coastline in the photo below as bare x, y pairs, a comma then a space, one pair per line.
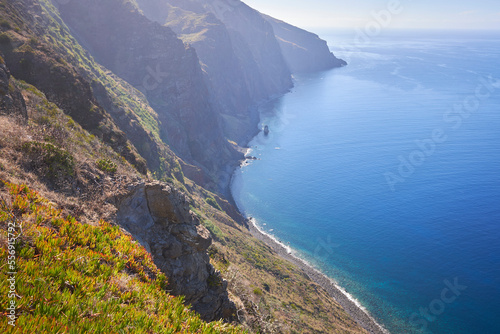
350, 305
346, 301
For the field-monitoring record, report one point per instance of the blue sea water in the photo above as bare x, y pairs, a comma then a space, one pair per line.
385, 175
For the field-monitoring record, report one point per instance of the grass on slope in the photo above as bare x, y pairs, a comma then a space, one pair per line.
76, 278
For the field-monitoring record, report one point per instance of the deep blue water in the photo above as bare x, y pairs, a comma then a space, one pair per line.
328, 183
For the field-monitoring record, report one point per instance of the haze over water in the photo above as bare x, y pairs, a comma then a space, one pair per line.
385, 175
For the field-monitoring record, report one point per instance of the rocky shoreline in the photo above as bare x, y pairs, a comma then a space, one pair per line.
350, 306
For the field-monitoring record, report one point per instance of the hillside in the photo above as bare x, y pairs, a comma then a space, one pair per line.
81, 278
303, 51
245, 56
84, 124
84, 178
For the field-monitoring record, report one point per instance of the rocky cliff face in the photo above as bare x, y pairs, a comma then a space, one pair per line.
32, 59
158, 216
11, 100
240, 57
188, 102
246, 57
303, 51
152, 59
254, 43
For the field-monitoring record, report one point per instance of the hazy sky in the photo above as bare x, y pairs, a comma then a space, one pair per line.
456, 14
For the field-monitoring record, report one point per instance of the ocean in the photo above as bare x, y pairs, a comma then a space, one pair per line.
385, 175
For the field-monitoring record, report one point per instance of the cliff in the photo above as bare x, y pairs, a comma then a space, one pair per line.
96, 101
152, 59
240, 58
36, 54
158, 216
246, 57
303, 51
83, 278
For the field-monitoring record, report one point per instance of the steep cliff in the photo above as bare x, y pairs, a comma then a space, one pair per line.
239, 55
246, 57
152, 59
37, 54
268, 292
303, 51
90, 139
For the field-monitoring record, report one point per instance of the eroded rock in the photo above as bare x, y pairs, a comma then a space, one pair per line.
11, 99
158, 216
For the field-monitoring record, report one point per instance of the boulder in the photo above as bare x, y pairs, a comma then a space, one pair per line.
158, 216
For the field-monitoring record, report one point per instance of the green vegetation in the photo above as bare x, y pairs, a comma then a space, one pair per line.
177, 172
57, 143
53, 162
5, 24
213, 203
214, 230
4, 38
214, 281
218, 259
107, 166
257, 292
75, 278
258, 257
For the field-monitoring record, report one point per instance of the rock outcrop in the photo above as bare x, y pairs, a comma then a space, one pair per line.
158, 216
303, 51
11, 99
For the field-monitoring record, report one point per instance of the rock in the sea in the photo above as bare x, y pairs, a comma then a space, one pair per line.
158, 216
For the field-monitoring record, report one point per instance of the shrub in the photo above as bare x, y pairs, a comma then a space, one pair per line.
212, 202
214, 280
215, 231
4, 38
33, 41
107, 166
52, 161
177, 172
5, 24
257, 292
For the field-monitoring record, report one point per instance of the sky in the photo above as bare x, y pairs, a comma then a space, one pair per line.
409, 14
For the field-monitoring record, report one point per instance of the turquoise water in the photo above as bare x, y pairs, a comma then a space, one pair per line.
385, 175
